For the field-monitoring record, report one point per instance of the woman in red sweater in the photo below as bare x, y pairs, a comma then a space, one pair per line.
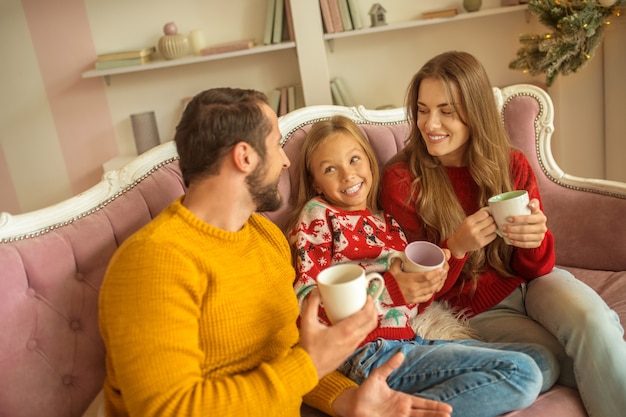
457, 156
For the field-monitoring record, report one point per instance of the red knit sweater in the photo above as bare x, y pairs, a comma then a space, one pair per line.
326, 235
492, 287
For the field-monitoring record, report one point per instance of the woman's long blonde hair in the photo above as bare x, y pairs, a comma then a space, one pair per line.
487, 156
319, 133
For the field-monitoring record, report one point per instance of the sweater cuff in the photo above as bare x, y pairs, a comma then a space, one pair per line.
324, 394
297, 371
456, 264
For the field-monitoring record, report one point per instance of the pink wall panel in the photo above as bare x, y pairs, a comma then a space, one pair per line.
64, 48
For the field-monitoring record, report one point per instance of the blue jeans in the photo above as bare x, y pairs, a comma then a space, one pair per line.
570, 319
477, 379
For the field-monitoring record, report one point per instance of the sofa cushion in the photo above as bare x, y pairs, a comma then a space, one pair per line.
611, 285
49, 300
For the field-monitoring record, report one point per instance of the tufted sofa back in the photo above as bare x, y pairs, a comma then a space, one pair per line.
51, 353
578, 209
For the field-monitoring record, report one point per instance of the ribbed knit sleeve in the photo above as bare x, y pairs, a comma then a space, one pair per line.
395, 199
328, 389
534, 262
199, 321
492, 288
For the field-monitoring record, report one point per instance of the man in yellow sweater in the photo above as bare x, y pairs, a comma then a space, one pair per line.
197, 309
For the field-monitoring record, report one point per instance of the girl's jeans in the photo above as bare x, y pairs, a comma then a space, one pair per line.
569, 318
477, 379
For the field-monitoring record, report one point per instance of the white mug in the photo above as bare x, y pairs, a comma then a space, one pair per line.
344, 289
420, 256
511, 203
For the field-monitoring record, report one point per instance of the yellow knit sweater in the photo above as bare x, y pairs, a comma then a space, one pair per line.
198, 321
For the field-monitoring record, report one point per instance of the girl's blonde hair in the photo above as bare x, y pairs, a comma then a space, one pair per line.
487, 156
319, 133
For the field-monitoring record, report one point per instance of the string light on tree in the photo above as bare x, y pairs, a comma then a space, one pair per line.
577, 28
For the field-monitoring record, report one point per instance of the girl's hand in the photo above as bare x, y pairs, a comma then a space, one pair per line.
527, 231
419, 287
476, 231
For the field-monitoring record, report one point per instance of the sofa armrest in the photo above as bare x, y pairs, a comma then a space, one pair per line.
585, 215
52, 262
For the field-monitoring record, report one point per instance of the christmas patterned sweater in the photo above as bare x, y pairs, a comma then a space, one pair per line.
325, 235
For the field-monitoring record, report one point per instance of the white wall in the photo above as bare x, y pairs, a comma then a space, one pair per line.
34, 172
119, 25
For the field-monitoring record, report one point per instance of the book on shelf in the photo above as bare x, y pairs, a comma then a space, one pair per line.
355, 14
335, 15
344, 11
221, 48
327, 18
278, 22
282, 106
269, 22
277, 32
286, 99
138, 53
345, 95
334, 91
291, 98
274, 100
435, 14
289, 33
299, 96
119, 63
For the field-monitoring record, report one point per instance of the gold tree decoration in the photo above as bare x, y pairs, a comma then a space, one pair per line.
577, 28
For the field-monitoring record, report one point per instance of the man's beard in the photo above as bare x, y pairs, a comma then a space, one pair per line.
266, 197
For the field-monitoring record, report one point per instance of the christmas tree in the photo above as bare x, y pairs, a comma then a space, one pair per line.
577, 28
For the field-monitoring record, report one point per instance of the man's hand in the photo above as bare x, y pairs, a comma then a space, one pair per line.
327, 346
374, 398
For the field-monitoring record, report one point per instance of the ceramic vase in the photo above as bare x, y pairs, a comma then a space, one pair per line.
172, 44
472, 5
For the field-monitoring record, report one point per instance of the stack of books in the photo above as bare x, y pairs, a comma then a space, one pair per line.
124, 58
278, 22
222, 48
340, 15
286, 99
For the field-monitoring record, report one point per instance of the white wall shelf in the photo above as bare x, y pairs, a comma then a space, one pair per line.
422, 22
158, 64
313, 47
329, 37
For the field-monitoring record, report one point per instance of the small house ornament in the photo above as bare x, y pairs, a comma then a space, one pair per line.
377, 15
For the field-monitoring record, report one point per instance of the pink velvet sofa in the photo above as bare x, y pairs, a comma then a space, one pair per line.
52, 261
